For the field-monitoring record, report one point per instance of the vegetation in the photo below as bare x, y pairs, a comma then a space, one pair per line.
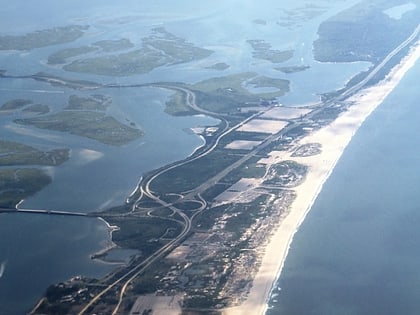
85, 116
15, 104
293, 69
286, 173
42, 38
37, 109
363, 33
93, 125
177, 105
262, 50
17, 184
249, 170
294, 18
114, 45
190, 175
143, 234
262, 82
93, 103
159, 49
61, 56
13, 153
219, 66
229, 93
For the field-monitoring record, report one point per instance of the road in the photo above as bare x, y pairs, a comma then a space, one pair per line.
269, 140
49, 212
195, 194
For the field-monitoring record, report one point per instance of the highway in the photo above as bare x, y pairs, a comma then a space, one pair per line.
145, 187
195, 194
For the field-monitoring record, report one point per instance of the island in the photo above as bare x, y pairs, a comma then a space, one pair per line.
42, 38
20, 179
159, 49
86, 117
262, 50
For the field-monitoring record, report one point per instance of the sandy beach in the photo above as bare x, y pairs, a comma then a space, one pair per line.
333, 138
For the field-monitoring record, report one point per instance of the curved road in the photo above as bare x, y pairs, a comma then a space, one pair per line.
187, 221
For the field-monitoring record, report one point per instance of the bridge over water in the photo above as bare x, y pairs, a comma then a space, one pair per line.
48, 212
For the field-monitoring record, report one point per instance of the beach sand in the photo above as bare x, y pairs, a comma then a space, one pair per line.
334, 138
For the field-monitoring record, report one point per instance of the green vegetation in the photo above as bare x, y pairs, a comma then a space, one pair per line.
86, 117
37, 109
190, 175
19, 183
159, 49
309, 149
262, 82
262, 50
296, 17
286, 173
25, 106
96, 102
114, 45
57, 81
363, 33
13, 153
143, 234
227, 94
219, 66
15, 104
292, 69
47, 37
260, 21
61, 56
177, 105
249, 170
93, 125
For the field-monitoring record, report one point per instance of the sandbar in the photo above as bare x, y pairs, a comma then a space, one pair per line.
333, 138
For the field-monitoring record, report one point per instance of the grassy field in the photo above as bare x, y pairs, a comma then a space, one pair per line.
42, 38
363, 33
159, 49
229, 93
143, 233
61, 56
262, 50
19, 183
93, 125
15, 104
93, 103
219, 66
13, 153
292, 69
190, 175
86, 117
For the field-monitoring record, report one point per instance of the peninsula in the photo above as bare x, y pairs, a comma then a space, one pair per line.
209, 233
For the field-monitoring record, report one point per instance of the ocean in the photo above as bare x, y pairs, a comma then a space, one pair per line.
357, 252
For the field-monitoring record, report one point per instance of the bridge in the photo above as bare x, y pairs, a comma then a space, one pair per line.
48, 212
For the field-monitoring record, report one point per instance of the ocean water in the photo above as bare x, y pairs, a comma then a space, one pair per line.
357, 252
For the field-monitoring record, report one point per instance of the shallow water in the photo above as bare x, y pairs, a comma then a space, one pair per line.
97, 175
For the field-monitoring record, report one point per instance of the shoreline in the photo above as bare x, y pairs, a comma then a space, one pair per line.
333, 138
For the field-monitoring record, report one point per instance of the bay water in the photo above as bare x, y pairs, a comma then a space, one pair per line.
36, 251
